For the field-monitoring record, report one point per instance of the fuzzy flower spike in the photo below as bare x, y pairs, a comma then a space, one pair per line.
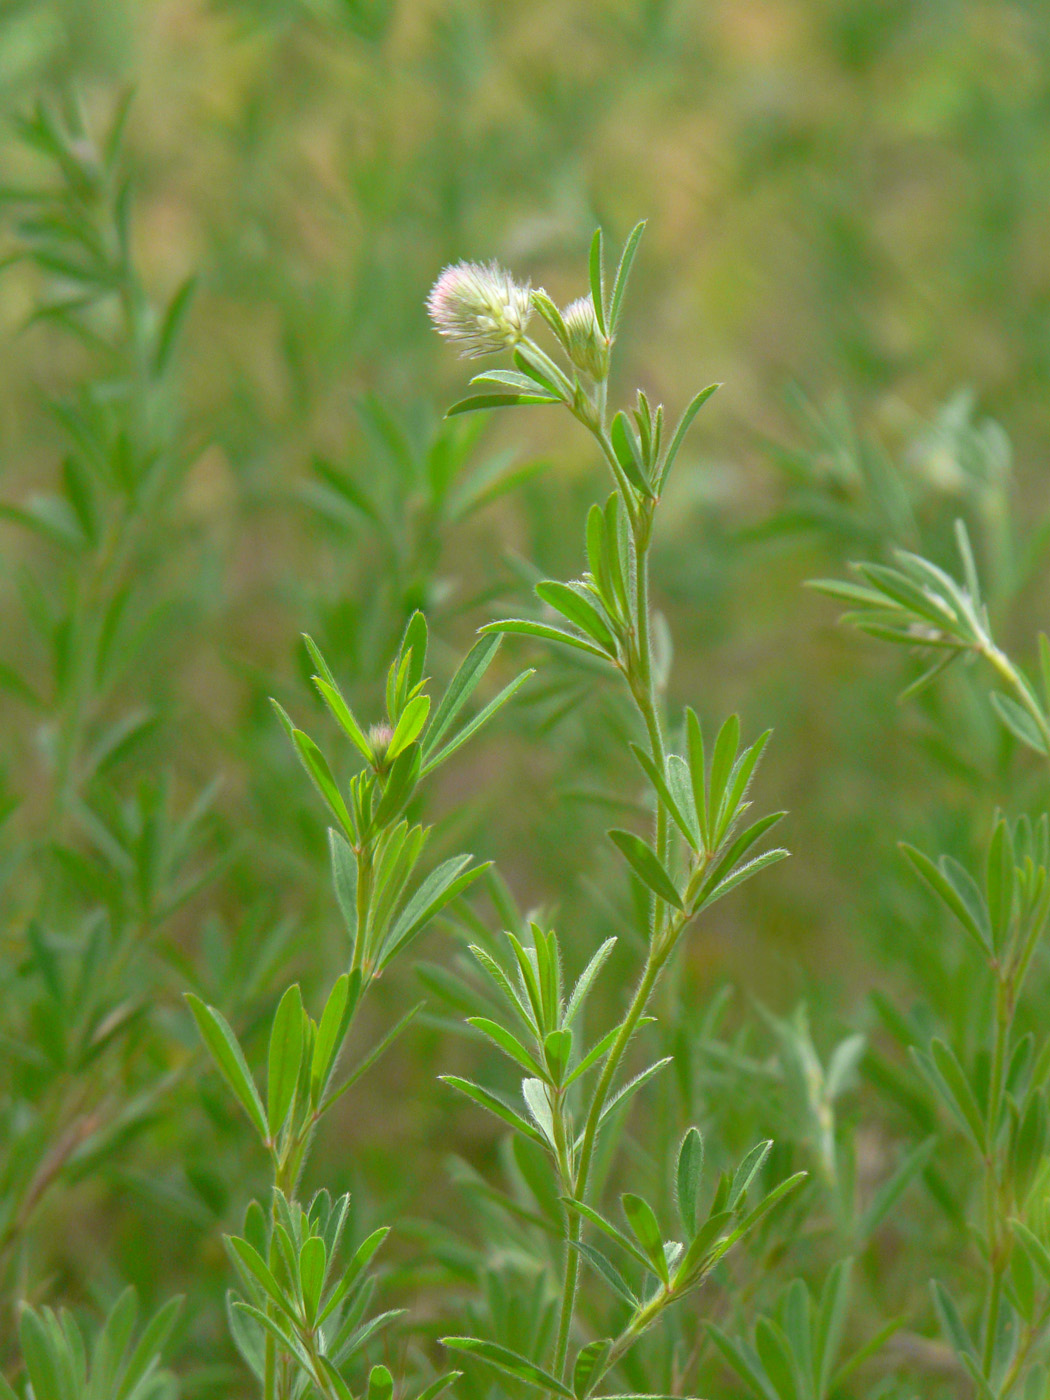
479, 306
588, 347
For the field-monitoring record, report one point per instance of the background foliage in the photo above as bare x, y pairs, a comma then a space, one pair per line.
220, 419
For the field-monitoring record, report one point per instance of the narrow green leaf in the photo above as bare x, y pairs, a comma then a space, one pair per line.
285, 1058
316, 765
746, 1366
960, 1090
631, 1087
579, 611
586, 978
148, 1347
775, 1355
460, 688
252, 1265
623, 273
494, 1104
480, 719
625, 450
688, 1179
601, 1049
508, 1043
643, 861
596, 268
440, 887
229, 1059
589, 1360
512, 378
313, 1266
330, 1033
663, 791
831, 1319
343, 716
526, 627
747, 1171
344, 878
503, 1359
607, 1228
684, 423
698, 775
439, 1386
646, 1229
550, 313
413, 717
958, 899
487, 401
607, 1270
1019, 722
951, 1323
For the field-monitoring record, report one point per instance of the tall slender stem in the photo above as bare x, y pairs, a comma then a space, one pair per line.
640, 680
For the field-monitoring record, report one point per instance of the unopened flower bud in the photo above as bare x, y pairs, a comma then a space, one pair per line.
379, 736
588, 347
480, 306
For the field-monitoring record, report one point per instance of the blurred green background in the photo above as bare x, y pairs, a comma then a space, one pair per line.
849, 224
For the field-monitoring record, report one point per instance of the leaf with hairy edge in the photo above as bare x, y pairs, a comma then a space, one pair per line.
525, 627
688, 1179
632, 1086
683, 427
596, 268
343, 716
623, 273
587, 976
601, 1049
225, 1050
960, 895
643, 861
578, 610
494, 1104
607, 1228
285, 1058
508, 1043
485, 401
646, 1228
609, 1272
481, 718
626, 453
675, 809
590, 1359
460, 688
503, 1359
438, 889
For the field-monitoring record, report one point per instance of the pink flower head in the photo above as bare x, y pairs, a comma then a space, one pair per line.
480, 306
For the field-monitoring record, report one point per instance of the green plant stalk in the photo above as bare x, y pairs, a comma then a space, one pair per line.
998, 1253
1017, 684
572, 1259
639, 676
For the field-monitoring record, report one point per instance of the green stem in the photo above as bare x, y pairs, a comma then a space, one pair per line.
660, 947
572, 1259
1004, 1005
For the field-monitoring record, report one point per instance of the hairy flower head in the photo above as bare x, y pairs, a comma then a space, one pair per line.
588, 347
480, 306
379, 736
